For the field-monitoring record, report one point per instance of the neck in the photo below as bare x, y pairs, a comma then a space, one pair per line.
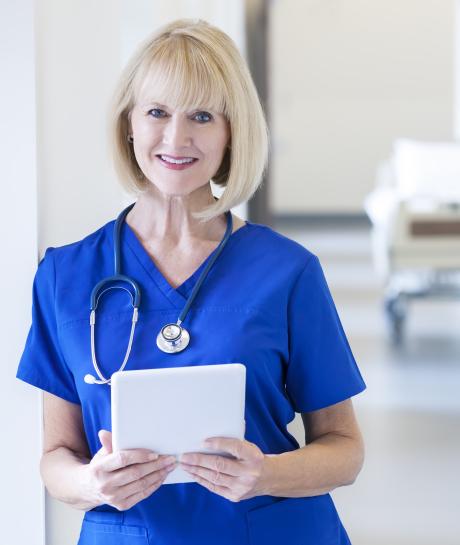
170, 217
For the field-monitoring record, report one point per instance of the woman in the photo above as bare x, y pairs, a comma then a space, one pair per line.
186, 111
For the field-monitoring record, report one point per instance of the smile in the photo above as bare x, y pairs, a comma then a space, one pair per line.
176, 163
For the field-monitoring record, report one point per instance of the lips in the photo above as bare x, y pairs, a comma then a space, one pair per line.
174, 159
176, 163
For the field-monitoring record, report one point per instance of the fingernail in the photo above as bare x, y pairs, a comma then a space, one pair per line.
153, 456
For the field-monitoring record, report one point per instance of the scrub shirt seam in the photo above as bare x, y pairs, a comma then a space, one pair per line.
118, 316
311, 257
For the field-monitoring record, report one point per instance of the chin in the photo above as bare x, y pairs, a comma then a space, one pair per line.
177, 189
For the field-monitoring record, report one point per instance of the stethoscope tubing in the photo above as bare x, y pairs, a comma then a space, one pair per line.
106, 284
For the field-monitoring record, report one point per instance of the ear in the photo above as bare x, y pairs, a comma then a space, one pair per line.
129, 121
129, 128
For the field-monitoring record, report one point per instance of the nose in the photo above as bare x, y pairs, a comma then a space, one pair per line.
177, 132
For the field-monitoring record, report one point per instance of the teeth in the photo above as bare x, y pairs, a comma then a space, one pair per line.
176, 161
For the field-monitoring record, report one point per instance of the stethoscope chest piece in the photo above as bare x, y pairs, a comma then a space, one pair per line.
173, 338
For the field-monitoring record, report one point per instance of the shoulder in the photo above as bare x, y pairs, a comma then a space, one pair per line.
89, 247
279, 247
67, 273
273, 261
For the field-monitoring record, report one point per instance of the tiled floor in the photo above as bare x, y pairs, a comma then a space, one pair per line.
408, 492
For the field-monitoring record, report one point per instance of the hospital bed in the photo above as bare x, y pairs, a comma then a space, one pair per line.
415, 215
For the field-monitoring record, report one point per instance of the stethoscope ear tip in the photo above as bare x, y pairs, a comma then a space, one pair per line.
89, 379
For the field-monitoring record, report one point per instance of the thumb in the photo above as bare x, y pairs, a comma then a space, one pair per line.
105, 437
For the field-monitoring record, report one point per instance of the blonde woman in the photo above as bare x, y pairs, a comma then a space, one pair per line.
186, 112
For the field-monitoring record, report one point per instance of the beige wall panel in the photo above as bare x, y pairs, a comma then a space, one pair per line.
347, 78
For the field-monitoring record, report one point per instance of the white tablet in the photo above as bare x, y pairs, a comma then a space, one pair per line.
172, 410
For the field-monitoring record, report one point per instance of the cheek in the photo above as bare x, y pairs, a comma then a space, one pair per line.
144, 132
219, 146
145, 146
146, 135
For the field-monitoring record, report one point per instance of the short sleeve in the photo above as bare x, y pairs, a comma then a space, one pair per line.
321, 369
42, 364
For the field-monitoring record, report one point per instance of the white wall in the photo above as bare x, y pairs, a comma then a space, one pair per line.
347, 78
78, 61
21, 500
141, 17
78, 55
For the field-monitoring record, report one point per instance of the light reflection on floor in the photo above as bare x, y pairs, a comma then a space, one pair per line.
409, 490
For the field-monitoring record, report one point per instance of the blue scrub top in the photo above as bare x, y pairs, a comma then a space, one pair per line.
265, 303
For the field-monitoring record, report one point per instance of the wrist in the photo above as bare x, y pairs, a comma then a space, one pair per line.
87, 497
269, 475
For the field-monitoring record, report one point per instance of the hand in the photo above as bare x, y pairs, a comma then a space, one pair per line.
234, 479
124, 478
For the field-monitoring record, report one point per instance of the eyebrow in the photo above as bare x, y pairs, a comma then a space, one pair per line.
154, 103
164, 107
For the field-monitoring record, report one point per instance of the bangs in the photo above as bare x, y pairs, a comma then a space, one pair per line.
183, 75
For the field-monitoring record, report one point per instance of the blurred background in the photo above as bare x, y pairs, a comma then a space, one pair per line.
362, 100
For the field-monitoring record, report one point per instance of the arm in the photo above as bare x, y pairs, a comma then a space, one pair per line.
65, 451
120, 479
332, 457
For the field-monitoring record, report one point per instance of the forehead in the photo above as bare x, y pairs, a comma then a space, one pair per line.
181, 83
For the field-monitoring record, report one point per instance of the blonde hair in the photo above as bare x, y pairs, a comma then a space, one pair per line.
189, 63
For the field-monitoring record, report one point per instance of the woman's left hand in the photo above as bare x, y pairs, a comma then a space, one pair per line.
234, 479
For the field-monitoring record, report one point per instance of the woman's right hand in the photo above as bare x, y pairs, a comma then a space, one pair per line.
124, 478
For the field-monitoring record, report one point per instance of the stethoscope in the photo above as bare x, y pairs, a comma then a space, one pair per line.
173, 337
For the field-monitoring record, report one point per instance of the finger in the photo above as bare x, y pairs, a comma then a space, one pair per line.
105, 437
128, 502
214, 477
123, 458
156, 477
136, 472
240, 448
216, 488
213, 461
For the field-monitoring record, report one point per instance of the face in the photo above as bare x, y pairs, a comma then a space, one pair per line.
178, 151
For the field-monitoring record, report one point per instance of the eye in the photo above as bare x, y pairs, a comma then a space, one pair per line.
157, 113
203, 117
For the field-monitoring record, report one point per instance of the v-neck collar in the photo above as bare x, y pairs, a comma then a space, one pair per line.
178, 296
